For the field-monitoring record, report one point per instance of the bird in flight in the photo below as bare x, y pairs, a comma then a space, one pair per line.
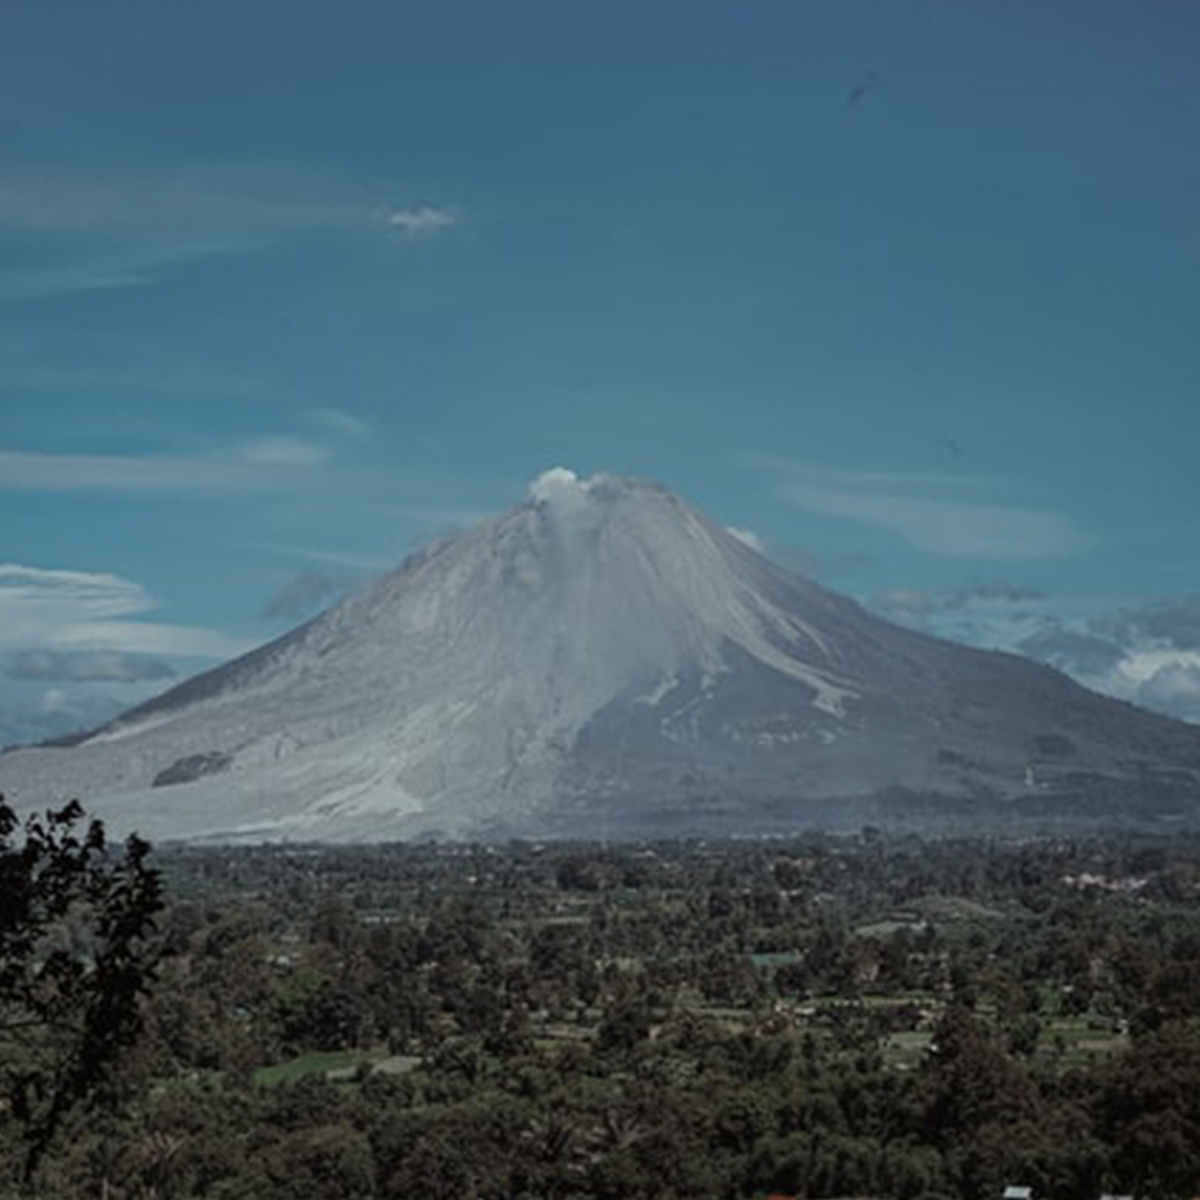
858, 93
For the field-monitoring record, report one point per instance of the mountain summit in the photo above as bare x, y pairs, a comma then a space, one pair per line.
605, 659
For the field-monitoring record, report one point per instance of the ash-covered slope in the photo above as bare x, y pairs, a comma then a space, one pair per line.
600, 658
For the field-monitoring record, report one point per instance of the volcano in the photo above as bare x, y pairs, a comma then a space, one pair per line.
605, 660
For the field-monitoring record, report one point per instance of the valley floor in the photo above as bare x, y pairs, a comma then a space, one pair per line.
816, 1017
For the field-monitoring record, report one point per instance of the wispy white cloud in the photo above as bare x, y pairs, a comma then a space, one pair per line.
31, 471
1072, 646
423, 221
126, 224
87, 276
912, 606
1162, 678
59, 610
1160, 654
1174, 622
340, 422
936, 514
184, 381
132, 265
266, 464
284, 450
995, 615
1175, 688
151, 637
38, 595
191, 200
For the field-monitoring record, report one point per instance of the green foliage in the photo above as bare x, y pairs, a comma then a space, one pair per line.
832, 1017
74, 965
1149, 1110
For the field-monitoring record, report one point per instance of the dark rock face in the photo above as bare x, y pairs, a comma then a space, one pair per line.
193, 766
603, 659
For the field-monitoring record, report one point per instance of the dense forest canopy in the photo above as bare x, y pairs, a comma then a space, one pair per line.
816, 1017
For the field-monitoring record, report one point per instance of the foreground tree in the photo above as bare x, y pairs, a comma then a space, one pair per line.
74, 963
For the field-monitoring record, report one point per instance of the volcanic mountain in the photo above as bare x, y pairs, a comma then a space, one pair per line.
603, 659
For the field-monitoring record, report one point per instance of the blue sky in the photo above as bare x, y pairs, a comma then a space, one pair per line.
907, 288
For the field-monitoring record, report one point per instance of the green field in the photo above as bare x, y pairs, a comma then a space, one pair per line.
320, 1062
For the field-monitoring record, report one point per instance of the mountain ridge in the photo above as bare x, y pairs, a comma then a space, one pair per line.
599, 653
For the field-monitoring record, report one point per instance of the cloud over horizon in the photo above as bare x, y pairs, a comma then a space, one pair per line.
58, 610
77, 647
86, 666
1149, 655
